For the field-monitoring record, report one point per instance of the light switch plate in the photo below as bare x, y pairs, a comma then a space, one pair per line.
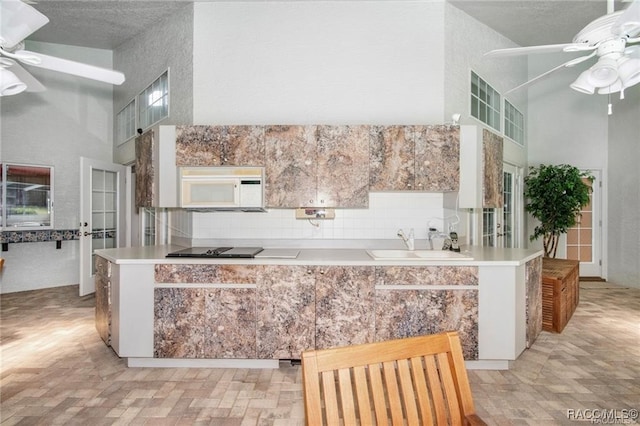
315, 213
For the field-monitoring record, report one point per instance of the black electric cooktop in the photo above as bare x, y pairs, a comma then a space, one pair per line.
215, 252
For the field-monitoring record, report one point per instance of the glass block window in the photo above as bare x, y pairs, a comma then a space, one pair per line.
153, 102
513, 123
126, 122
485, 102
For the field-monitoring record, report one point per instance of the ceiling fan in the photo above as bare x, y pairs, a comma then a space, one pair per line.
18, 20
609, 39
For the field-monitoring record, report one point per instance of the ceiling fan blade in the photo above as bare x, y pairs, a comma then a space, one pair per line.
570, 63
33, 85
69, 67
549, 48
629, 22
17, 21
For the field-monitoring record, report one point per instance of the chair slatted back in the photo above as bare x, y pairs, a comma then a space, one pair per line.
413, 381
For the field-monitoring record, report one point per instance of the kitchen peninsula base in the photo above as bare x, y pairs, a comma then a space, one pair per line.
251, 313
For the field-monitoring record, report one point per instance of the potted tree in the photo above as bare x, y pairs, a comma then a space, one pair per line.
555, 195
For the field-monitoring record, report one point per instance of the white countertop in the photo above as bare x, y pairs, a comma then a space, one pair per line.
318, 256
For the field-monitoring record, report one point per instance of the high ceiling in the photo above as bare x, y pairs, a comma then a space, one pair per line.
108, 23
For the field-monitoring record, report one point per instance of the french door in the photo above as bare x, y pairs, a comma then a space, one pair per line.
501, 227
584, 241
102, 214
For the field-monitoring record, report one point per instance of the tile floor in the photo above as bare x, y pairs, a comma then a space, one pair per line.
54, 370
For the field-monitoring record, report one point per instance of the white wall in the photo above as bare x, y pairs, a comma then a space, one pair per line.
387, 213
166, 45
623, 222
72, 118
318, 62
566, 127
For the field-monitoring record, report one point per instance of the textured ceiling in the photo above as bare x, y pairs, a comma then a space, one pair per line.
108, 23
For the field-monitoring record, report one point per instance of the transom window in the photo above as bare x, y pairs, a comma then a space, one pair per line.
153, 102
485, 102
146, 109
513, 123
126, 122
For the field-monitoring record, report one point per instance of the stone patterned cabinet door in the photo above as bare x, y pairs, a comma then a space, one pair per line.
437, 158
199, 145
178, 322
493, 179
533, 280
243, 146
285, 312
345, 301
230, 323
391, 158
213, 322
291, 166
145, 170
102, 281
418, 311
343, 167
202, 145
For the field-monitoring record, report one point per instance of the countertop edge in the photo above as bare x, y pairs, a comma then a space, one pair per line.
318, 257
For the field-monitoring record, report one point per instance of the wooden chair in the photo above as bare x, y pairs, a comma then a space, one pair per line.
413, 381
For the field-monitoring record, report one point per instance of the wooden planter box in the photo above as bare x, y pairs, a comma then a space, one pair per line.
560, 292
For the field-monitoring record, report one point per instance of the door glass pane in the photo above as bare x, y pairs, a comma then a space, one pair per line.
580, 237
103, 209
488, 227
508, 218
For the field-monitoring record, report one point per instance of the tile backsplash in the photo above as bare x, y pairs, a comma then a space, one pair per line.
387, 212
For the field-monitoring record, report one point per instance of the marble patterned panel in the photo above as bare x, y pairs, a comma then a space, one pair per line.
206, 273
230, 323
408, 313
492, 153
178, 330
533, 280
391, 159
285, 312
437, 158
427, 275
345, 301
291, 166
343, 166
102, 295
199, 145
244, 146
145, 171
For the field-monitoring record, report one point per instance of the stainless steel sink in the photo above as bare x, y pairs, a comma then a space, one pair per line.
417, 255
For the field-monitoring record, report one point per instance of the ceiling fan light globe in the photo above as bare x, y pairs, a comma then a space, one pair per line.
583, 83
613, 88
629, 72
10, 84
604, 72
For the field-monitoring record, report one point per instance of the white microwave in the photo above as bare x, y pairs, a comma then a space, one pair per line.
222, 188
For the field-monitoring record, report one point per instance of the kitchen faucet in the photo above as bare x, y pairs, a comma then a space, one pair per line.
433, 232
409, 241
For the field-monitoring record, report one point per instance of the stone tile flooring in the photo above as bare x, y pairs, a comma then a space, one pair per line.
55, 370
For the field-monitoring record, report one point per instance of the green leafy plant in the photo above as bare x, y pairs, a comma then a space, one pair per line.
555, 195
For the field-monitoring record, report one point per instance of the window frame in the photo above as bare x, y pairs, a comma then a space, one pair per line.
495, 103
146, 108
120, 128
3, 198
520, 129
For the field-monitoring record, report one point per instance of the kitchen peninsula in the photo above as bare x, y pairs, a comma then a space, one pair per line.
253, 312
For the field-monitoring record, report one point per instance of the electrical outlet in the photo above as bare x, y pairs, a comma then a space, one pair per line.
315, 213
